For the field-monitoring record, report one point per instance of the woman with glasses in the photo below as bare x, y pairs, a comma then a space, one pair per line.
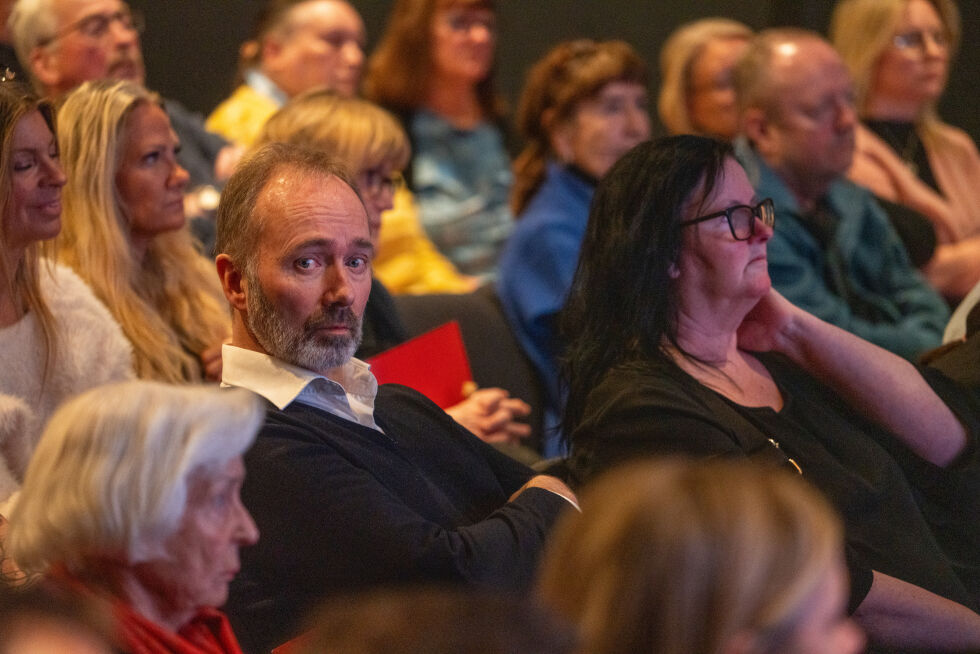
899, 53
434, 67
678, 345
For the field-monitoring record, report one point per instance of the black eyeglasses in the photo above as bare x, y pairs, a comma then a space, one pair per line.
741, 218
97, 26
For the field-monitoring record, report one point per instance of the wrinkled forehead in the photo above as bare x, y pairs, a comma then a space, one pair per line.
69, 12
291, 196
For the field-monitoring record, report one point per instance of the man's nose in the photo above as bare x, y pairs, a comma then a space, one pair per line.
338, 290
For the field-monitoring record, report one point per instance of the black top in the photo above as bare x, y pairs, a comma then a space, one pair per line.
343, 507
895, 506
903, 138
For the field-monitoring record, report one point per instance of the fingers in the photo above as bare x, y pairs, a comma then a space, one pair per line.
492, 415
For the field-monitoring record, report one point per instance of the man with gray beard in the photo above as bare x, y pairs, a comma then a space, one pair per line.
352, 485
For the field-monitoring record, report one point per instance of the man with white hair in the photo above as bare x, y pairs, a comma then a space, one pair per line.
834, 251
352, 484
63, 43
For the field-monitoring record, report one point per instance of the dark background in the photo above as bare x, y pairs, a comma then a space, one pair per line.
191, 45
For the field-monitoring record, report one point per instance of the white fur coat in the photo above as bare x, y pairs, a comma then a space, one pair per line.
91, 350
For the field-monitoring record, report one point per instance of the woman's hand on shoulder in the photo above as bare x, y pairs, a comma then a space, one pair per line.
768, 325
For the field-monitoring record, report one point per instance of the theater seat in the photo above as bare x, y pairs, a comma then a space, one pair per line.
495, 357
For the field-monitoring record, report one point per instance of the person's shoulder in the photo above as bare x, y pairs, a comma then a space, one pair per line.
71, 301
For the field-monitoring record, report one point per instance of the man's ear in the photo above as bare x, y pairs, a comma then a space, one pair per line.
232, 282
757, 128
43, 65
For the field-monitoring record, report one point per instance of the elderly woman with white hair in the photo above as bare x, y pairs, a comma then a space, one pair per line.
133, 500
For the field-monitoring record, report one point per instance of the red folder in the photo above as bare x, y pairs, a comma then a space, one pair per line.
434, 363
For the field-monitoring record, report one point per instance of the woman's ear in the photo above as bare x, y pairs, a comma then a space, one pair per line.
560, 134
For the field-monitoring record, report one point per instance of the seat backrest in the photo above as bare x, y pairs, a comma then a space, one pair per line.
495, 356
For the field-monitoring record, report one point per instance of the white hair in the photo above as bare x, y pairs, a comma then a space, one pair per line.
31, 22
109, 476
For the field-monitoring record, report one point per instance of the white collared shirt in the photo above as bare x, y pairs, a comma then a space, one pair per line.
351, 396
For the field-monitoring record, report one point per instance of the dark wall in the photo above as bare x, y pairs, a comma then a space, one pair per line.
191, 45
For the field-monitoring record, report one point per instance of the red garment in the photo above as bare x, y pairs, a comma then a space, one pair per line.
209, 632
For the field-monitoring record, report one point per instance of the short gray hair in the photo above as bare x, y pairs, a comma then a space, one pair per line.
109, 477
31, 23
237, 227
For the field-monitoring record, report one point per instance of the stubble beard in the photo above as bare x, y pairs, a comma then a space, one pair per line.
307, 347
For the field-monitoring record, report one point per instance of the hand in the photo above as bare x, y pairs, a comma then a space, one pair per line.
549, 483
211, 361
492, 415
765, 327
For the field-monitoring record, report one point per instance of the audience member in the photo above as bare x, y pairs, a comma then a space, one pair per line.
132, 502
56, 339
375, 148
436, 621
676, 557
899, 52
583, 106
63, 43
713, 362
368, 141
296, 46
359, 485
835, 253
124, 231
434, 67
697, 89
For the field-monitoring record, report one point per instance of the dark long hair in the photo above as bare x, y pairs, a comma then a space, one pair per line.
622, 306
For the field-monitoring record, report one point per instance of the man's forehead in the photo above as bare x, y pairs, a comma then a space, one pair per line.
292, 196
70, 11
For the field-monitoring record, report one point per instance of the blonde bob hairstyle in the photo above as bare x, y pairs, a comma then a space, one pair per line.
21, 276
169, 305
109, 478
680, 557
677, 58
569, 74
355, 132
861, 31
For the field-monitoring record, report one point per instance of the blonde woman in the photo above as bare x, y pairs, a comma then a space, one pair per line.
374, 147
697, 94
899, 53
678, 557
56, 339
124, 231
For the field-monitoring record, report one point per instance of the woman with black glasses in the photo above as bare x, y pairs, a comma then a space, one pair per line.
678, 345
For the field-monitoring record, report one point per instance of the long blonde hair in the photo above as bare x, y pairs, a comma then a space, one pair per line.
680, 556
169, 306
23, 281
861, 31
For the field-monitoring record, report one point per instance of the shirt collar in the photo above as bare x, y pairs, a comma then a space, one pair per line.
260, 83
281, 383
